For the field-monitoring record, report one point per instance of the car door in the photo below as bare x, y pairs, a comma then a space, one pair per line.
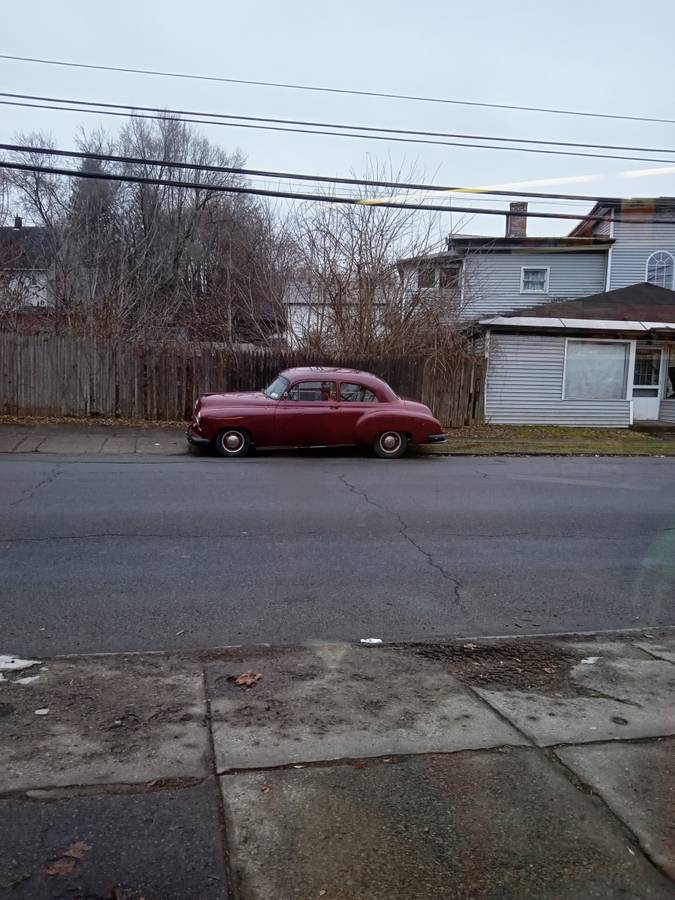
354, 400
307, 414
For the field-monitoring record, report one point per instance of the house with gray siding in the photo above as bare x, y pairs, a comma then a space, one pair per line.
620, 242
578, 329
603, 360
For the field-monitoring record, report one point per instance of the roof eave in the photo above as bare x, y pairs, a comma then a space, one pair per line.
533, 323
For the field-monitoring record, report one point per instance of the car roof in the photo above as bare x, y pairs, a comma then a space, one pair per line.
367, 379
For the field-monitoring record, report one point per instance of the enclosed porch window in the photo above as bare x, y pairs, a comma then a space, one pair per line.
596, 370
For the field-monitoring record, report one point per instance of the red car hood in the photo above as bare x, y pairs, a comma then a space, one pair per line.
234, 398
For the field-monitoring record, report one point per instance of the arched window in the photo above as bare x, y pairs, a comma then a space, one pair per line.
660, 269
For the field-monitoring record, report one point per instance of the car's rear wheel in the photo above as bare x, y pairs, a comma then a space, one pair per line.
232, 442
390, 444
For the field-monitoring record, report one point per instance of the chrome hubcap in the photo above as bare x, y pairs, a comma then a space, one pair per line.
233, 441
390, 442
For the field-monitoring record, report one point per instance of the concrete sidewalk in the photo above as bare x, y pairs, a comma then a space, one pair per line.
486, 769
107, 440
87, 437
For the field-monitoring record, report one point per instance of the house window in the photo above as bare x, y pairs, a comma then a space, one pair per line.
596, 370
426, 276
448, 276
660, 269
534, 280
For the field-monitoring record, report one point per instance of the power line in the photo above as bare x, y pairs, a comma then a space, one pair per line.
290, 176
348, 127
325, 133
290, 195
333, 90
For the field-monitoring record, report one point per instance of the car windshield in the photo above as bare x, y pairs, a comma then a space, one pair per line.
276, 390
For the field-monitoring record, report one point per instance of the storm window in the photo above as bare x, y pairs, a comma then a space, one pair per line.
596, 370
534, 280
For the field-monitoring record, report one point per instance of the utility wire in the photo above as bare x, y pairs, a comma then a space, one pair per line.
371, 137
290, 176
290, 195
350, 127
334, 90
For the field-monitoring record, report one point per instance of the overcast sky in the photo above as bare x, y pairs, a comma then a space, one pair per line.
607, 57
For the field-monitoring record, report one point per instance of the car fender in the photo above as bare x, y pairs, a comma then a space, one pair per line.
419, 427
250, 419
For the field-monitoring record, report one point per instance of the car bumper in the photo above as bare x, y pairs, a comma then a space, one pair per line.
436, 439
196, 439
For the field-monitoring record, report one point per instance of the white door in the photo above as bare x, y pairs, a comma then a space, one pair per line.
646, 384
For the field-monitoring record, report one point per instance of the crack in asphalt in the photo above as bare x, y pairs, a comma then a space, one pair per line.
28, 493
403, 531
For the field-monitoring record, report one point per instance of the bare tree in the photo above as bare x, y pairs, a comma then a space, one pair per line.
155, 261
355, 286
4, 197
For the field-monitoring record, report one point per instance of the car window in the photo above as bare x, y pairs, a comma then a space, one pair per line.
276, 390
307, 391
356, 393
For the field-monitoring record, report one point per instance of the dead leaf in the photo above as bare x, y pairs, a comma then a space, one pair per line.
61, 866
470, 646
78, 850
264, 789
322, 893
246, 679
549, 670
359, 764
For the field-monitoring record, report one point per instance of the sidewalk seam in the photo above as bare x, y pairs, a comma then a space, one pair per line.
500, 715
654, 655
99, 788
230, 892
585, 788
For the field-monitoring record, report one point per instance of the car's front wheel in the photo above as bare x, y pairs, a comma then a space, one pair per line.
390, 444
232, 442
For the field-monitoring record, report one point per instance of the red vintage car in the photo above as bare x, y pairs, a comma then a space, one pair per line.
314, 407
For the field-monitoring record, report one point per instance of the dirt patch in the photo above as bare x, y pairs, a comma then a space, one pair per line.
540, 666
72, 720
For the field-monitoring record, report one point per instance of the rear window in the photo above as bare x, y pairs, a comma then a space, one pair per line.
356, 393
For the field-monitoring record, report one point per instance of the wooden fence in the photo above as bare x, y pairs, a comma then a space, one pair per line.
65, 376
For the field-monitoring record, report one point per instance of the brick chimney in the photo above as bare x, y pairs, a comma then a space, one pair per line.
516, 221
18, 222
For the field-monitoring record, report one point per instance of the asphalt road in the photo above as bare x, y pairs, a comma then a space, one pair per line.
187, 552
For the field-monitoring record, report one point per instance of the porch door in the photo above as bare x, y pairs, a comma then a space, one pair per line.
646, 383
